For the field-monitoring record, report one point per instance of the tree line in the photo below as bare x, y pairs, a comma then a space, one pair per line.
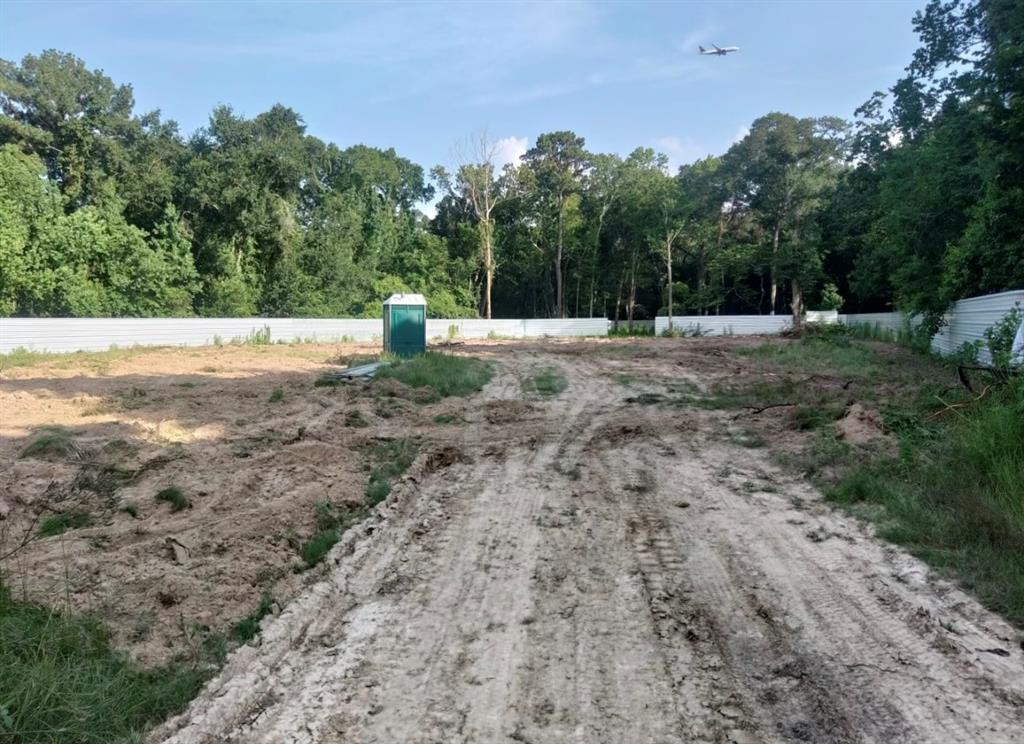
918, 202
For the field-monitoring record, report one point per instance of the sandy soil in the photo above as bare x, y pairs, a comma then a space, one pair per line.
201, 420
586, 569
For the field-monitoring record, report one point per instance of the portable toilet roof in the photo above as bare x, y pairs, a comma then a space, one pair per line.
405, 324
406, 299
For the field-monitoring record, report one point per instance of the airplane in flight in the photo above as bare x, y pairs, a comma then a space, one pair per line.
720, 51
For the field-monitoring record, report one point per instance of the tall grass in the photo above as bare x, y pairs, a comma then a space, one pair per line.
61, 682
443, 374
956, 498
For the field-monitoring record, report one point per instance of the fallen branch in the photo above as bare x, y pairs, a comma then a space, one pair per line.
954, 407
754, 410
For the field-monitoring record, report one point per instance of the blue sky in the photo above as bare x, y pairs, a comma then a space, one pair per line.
421, 76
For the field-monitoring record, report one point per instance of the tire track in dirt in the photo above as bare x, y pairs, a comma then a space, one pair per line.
594, 571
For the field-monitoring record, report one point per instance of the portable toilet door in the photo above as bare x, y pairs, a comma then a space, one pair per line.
405, 324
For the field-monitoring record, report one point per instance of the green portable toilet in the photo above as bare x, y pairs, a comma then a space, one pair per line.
405, 324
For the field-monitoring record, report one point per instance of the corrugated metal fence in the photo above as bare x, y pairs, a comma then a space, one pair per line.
738, 325
967, 321
964, 323
100, 334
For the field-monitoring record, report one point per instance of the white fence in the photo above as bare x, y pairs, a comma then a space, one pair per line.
100, 334
964, 323
882, 321
967, 321
723, 325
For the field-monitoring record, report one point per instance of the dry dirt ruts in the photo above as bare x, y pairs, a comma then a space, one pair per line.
587, 569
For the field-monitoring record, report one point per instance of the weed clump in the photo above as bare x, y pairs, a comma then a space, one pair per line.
277, 395
548, 383
246, 629
443, 375
52, 443
61, 523
175, 497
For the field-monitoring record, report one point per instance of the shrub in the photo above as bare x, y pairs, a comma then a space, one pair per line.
60, 523
175, 497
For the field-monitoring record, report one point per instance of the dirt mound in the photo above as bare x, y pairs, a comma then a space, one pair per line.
860, 425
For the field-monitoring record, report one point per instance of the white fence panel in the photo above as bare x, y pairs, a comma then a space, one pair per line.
882, 321
473, 327
565, 327
719, 325
100, 334
967, 321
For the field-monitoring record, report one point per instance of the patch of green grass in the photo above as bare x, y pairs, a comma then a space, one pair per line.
624, 331
956, 500
547, 383
394, 459
24, 358
816, 354
318, 546
52, 443
175, 497
325, 381
808, 417
624, 380
277, 395
356, 420
445, 418
246, 629
443, 375
63, 682
131, 509
60, 523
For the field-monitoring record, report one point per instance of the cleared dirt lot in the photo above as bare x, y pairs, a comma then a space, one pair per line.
576, 568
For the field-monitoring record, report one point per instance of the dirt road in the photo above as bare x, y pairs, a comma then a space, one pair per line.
586, 569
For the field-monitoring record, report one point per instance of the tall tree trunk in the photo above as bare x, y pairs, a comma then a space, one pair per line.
773, 269
559, 299
798, 303
668, 260
487, 229
631, 302
618, 296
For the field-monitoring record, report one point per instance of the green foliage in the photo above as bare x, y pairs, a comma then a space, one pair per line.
954, 498
249, 626
60, 523
52, 442
63, 682
547, 383
175, 497
393, 459
318, 546
276, 395
441, 374
999, 338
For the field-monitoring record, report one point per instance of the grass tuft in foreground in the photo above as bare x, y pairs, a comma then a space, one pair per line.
175, 497
61, 523
62, 682
443, 374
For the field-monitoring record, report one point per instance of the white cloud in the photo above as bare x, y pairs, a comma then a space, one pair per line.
509, 150
681, 150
